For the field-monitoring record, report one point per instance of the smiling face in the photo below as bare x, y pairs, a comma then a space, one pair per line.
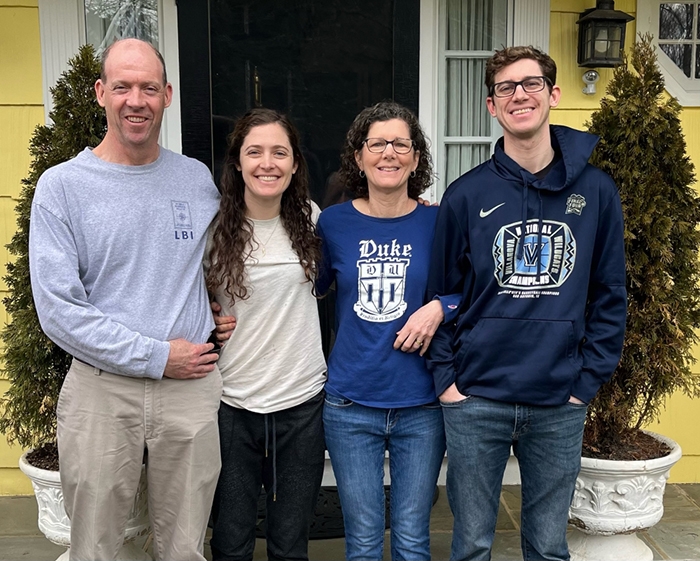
267, 164
134, 97
524, 115
387, 171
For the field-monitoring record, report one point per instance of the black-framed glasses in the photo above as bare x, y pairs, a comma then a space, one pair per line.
378, 145
531, 84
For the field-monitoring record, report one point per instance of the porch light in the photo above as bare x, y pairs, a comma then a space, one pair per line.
601, 35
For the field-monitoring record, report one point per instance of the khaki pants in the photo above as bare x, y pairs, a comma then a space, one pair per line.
104, 423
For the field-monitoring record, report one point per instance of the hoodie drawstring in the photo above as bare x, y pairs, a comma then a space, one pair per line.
539, 237
274, 451
521, 245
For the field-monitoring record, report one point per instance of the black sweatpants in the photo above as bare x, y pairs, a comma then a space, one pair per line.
282, 451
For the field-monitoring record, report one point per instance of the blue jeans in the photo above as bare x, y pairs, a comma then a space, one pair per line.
547, 443
356, 438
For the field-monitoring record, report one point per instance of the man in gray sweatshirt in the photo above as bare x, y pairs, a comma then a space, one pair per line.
117, 239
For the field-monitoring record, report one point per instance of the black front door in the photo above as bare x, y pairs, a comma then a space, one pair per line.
319, 61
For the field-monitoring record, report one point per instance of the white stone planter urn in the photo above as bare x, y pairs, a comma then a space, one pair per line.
55, 524
615, 499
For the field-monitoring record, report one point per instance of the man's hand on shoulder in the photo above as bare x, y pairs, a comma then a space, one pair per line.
189, 360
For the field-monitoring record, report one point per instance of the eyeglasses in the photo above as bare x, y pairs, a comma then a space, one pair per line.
531, 84
378, 145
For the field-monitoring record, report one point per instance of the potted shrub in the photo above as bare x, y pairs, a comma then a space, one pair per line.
643, 149
34, 365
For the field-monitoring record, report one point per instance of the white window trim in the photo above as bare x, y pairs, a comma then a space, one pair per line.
62, 32
684, 89
428, 86
532, 17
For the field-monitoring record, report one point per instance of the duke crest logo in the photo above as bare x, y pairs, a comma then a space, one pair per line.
556, 255
575, 204
380, 289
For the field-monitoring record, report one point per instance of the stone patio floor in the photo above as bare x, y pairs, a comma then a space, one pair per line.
676, 537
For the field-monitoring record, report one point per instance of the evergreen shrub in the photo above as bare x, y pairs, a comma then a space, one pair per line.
642, 147
33, 364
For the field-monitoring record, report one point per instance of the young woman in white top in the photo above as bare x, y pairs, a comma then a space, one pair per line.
263, 261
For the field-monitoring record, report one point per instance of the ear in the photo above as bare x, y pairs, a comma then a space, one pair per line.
168, 94
358, 160
294, 169
554, 96
100, 92
416, 159
491, 106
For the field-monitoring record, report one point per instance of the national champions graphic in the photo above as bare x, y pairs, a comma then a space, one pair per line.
556, 255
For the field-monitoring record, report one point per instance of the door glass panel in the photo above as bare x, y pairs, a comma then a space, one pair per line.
319, 62
470, 25
471, 31
466, 110
463, 157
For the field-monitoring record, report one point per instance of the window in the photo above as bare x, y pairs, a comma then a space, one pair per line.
678, 36
470, 31
107, 21
676, 31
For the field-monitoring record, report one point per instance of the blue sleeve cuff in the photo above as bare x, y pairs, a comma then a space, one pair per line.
450, 306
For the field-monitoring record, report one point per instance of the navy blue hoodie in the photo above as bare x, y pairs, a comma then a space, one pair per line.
540, 264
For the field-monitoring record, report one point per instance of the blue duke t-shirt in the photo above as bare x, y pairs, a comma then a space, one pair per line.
380, 266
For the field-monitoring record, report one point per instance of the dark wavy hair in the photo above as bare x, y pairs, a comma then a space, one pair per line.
233, 234
384, 111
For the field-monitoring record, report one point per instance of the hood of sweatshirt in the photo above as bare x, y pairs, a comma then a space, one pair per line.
575, 148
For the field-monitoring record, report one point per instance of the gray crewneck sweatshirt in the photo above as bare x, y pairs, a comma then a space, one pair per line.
115, 256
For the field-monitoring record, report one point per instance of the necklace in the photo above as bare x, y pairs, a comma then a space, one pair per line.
262, 244
402, 208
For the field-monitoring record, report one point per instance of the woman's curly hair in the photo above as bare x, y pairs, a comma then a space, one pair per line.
233, 239
385, 111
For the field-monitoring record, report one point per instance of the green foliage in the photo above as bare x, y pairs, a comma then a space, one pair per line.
643, 149
34, 365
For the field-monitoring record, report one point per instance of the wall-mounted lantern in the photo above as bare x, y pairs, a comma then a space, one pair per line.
601, 35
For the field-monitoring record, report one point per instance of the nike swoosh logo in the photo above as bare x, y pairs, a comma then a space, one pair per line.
484, 213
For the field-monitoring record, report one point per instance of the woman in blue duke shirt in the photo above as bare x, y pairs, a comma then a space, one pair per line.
379, 394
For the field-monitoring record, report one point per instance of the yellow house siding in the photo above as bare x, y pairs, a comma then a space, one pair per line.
21, 110
17, 124
20, 56
681, 415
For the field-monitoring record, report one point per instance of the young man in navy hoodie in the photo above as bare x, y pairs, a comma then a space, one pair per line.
533, 240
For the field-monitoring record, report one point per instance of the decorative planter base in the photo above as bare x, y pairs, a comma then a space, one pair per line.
55, 524
615, 499
620, 547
